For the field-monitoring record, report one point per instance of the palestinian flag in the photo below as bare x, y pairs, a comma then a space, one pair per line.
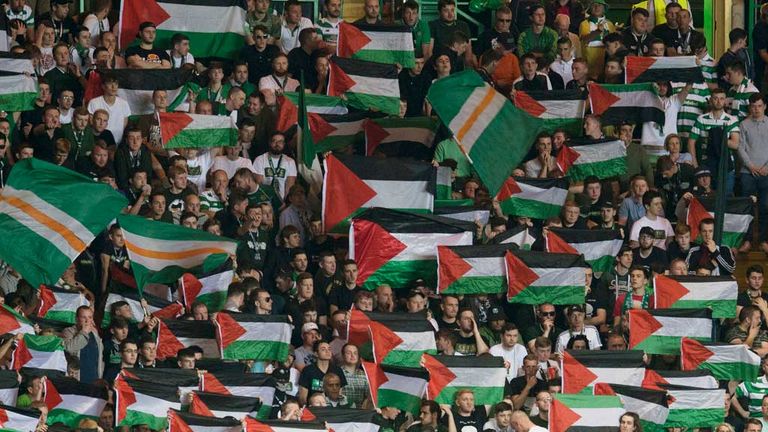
336, 132
215, 27
252, 425
485, 376
60, 304
182, 130
397, 248
726, 361
654, 69
365, 84
692, 292
402, 343
360, 321
236, 383
638, 103
253, 337
136, 87
380, 43
219, 405
396, 387
399, 137
39, 352
658, 331
354, 183
472, 269
521, 236
141, 402
210, 290
342, 419
650, 405
544, 277
12, 322
18, 85
738, 216
14, 419
70, 401
179, 421
183, 379
466, 214
156, 306
560, 109
599, 247
604, 160
660, 379
444, 189
329, 123
534, 198
694, 407
582, 413
288, 113
173, 335
9, 387
49, 214
582, 370
493, 134
161, 252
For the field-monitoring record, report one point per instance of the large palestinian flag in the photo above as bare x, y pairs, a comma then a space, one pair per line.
354, 183
185, 380
379, 43
651, 405
359, 322
577, 413
179, 421
692, 292
59, 304
210, 289
50, 214
603, 160
342, 419
365, 84
534, 198
156, 306
738, 216
399, 137
136, 87
493, 134
219, 405
599, 247
485, 376
726, 361
654, 69
694, 407
658, 331
396, 248
638, 103
560, 109
173, 335
396, 387
144, 403
40, 352
182, 130
252, 425
472, 269
236, 383
542, 277
14, 419
253, 337
581, 370
18, 86
215, 27
402, 343
69, 401
660, 379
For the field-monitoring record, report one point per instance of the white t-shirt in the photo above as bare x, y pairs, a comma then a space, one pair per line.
92, 23
289, 39
230, 166
198, 169
514, 356
661, 227
281, 168
65, 117
178, 62
118, 114
593, 336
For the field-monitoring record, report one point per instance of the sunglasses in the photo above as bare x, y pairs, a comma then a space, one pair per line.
260, 37
504, 20
548, 313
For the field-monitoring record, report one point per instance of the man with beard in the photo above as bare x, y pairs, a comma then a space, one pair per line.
245, 182
278, 82
274, 168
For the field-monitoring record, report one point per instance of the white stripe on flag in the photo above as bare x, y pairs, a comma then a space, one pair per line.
17, 65
485, 266
167, 251
618, 375
478, 377
82, 405
374, 86
729, 354
47, 360
595, 250
267, 331
555, 195
688, 327
725, 290
416, 341
15, 84
153, 406
559, 276
210, 122
400, 194
737, 222
562, 109
598, 416
696, 399
403, 384
424, 246
477, 112
203, 19
389, 41
600, 152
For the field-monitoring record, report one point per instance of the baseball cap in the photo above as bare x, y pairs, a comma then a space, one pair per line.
496, 313
146, 24
607, 204
701, 172
574, 308
308, 327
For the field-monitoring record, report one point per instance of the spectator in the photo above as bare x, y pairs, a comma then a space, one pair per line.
292, 25
538, 39
146, 56
592, 31
420, 29
749, 332
636, 37
576, 326
708, 254
646, 254
754, 168
653, 218
82, 341
443, 28
502, 418
640, 296
510, 350
311, 378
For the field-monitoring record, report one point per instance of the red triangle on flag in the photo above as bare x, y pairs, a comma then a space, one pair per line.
439, 376
652, 379
374, 247
556, 244
566, 157
3, 417
229, 329
52, 397
8, 321
124, 397
636, 66
384, 340
135, 12
288, 114
21, 355
307, 416
340, 82
349, 193
172, 123
190, 287
167, 343
171, 311
667, 291
693, 353
696, 213
603, 389
374, 135
211, 384
376, 378
357, 327
198, 407
576, 376
351, 40
176, 423
519, 275
642, 325
319, 127
450, 268
600, 98
253, 425
509, 188
47, 300
525, 102
561, 417
93, 87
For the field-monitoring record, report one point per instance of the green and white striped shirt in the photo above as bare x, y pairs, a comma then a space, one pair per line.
738, 98
328, 30
25, 15
698, 97
705, 122
755, 392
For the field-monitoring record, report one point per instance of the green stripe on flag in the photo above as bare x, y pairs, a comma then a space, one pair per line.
602, 169
403, 273
403, 358
663, 344
559, 295
139, 418
403, 58
530, 208
62, 316
694, 417
393, 398
733, 370
477, 285
224, 45
207, 137
256, 350
580, 402
483, 395
67, 417
720, 308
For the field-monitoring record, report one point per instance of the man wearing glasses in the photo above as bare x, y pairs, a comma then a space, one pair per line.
259, 56
503, 32
544, 326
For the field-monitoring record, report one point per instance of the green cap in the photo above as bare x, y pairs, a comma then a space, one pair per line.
602, 2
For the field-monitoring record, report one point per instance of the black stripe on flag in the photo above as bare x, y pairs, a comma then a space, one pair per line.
417, 373
484, 251
205, 421
149, 79
547, 95
240, 379
392, 169
608, 359
682, 313
585, 235
220, 402
409, 326
9, 379
656, 397
383, 28
214, 3
470, 362
365, 68
396, 221
508, 234
700, 279
155, 390
167, 376
342, 415
253, 318
732, 205
66, 385
191, 329
560, 183
672, 374
535, 259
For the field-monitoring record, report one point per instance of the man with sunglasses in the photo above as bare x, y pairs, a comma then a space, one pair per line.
544, 326
503, 32
259, 56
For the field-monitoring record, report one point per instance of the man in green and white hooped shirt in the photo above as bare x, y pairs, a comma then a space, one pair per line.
328, 25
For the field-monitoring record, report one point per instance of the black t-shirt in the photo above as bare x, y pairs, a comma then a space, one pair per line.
175, 201
668, 35
342, 297
259, 62
153, 55
657, 255
442, 325
62, 30
471, 423
311, 377
516, 386
414, 89
466, 345
674, 251
538, 421
539, 82
597, 298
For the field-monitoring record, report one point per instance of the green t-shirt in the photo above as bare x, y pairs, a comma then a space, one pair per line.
449, 149
421, 36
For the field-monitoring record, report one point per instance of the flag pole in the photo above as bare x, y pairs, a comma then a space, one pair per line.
722, 173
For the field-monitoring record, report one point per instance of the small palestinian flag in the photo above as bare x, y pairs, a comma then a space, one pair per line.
18, 85
173, 335
252, 425
399, 137
726, 361
693, 292
650, 405
599, 247
288, 113
342, 419
396, 387
354, 183
472, 269
638, 103
365, 84
396, 248
338, 132
144, 403
253, 337
185, 380
219, 405
9, 387
69, 401
182, 130
534, 198
360, 321
694, 407
603, 160
179, 421
658, 331
156, 306
521, 236
236, 383
136, 87
485, 376
581, 370
560, 109
653, 69
210, 290
660, 379
543, 277
39, 352
466, 214
14, 419
59, 304
575, 413
402, 343
738, 216
13, 323
379, 43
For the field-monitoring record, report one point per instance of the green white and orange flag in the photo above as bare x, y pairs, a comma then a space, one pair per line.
253, 337
182, 130
162, 252
725, 361
578, 412
50, 214
692, 292
484, 375
544, 277
658, 331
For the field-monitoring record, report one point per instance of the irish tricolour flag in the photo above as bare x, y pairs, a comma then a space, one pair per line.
543, 277
680, 292
485, 376
59, 304
253, 337
573, 413
694, 407
560, 109
658, 331
380, 43
534, 198
738, 216
726, 361
40, 352
472, 269
365, 84
182, 130
599, 247
397, 387
603, 159
581, 370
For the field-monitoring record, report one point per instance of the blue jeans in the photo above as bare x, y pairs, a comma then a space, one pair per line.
758, 186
